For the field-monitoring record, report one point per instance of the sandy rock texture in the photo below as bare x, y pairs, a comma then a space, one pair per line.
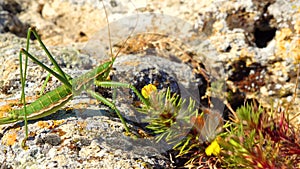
252, 45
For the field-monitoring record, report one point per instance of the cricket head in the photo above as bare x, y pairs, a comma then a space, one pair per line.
103, 71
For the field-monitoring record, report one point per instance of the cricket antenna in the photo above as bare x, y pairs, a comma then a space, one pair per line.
109, 34
108, 29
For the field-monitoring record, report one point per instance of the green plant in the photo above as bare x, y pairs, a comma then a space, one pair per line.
258, 138
168, 116
177, 122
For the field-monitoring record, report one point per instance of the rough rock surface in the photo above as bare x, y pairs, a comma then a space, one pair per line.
259, 37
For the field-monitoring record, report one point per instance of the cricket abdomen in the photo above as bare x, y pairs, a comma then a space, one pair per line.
43, 106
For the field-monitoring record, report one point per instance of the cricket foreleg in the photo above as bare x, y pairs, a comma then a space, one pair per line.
110, 84
110, 104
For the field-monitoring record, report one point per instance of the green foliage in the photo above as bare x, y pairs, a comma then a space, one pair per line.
257, 140
177, 122
169, 117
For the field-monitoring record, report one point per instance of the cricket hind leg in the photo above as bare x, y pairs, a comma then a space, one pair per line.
69, 78
23, 79
57, 68
60, 74
56, 71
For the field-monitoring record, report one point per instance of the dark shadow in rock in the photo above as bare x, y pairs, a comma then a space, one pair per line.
11, 23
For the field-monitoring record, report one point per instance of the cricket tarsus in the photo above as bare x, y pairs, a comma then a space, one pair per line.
52, 101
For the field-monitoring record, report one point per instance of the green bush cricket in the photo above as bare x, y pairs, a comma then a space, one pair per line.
52, 101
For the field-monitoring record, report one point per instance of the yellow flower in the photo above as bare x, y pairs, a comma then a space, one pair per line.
213, 148
146, 90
